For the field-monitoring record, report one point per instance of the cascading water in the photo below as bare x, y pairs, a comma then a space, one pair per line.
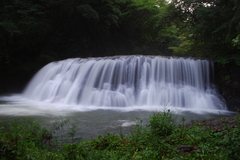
125, 81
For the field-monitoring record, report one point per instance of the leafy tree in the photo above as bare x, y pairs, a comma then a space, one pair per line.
214, 25
151, 23
33, 33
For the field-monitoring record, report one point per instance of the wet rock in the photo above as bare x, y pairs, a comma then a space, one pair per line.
188, 148
217, 125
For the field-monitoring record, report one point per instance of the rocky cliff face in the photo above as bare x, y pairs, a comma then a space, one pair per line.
227, 80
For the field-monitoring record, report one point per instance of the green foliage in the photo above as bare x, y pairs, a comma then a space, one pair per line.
227, 79
10, 27
184, 48
108, 142
33, 33
155, 27
25, 139
88, 12
214, 27
236, 41
73, 152
73, 131
59, 124
162, 138
231, 140
162, 124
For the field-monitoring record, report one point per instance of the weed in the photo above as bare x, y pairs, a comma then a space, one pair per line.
73, 132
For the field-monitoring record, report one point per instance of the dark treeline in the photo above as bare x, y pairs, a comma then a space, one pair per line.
36, 32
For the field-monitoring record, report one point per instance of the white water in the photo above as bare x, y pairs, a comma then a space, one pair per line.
102, 95
126, 82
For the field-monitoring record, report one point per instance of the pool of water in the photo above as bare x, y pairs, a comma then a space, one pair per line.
93, 121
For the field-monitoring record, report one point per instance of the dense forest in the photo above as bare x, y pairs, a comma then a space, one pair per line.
36, 32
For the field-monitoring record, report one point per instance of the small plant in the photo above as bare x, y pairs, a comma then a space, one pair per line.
72, 133
162, 124
227, 79
58, 124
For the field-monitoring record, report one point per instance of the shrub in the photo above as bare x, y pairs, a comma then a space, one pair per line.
24, 139
110, 141
162, 123
231, 140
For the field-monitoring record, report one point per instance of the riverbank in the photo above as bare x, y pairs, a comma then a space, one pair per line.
217, 124
161, 138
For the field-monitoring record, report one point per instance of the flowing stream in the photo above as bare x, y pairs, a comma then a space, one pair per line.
109, 92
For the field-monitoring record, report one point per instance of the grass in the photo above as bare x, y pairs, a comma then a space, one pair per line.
161, 138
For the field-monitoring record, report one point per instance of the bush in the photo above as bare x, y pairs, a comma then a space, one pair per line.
230, 140
25, 139
162, 124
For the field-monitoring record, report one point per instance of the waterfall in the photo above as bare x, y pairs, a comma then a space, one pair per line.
125, 81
